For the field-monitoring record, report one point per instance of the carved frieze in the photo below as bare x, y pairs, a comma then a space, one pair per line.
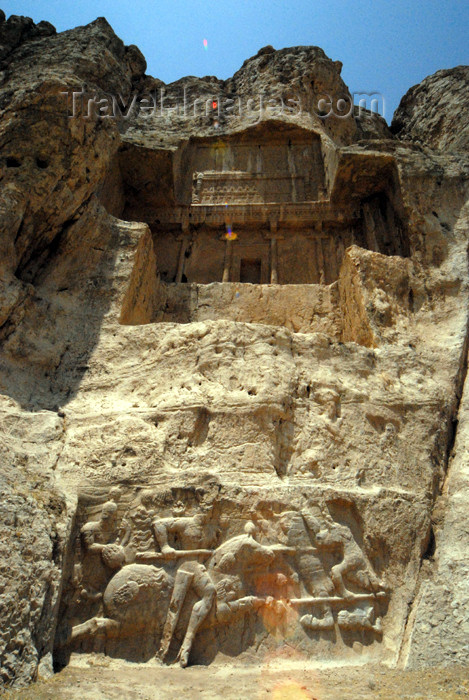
156, 573
232, 187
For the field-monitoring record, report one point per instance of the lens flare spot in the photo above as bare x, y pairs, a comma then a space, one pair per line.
205, 43
291, 691
283, 676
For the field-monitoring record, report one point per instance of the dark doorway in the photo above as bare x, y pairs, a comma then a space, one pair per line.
250, 271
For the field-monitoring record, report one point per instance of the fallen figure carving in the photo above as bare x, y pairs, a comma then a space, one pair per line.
144, 597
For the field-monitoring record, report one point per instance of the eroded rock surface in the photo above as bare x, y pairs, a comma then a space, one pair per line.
434, 112
233, 351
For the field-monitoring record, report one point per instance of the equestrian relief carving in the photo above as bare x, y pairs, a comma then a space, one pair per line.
148, 580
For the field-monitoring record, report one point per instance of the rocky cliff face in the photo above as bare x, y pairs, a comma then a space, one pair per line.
434, 112
233, 353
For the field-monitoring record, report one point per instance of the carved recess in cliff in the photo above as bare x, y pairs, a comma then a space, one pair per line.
266, 206
285, 167
183, 574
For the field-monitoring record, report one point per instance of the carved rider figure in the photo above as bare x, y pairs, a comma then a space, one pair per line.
99, 542
192, 532
221, 575
97, 533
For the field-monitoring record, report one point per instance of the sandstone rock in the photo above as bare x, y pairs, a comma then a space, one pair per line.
233, 350
17, 30
34, 525
432, 113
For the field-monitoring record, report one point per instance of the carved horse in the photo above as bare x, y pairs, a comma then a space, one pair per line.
145, 598
354, 565
135, 600
222, 586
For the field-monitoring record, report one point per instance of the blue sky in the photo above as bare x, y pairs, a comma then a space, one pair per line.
385, 45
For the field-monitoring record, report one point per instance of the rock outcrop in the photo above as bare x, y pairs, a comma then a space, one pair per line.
233, 325
434, 112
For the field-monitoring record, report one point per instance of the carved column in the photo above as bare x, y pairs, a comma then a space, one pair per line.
321, 266
330, 258
185, 238
228, 258
273, 261
273, 251
181, 260
370, 228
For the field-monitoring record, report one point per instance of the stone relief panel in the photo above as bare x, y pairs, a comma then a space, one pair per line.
220, 188
184, 573
234, 187
330, 416
254, 169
